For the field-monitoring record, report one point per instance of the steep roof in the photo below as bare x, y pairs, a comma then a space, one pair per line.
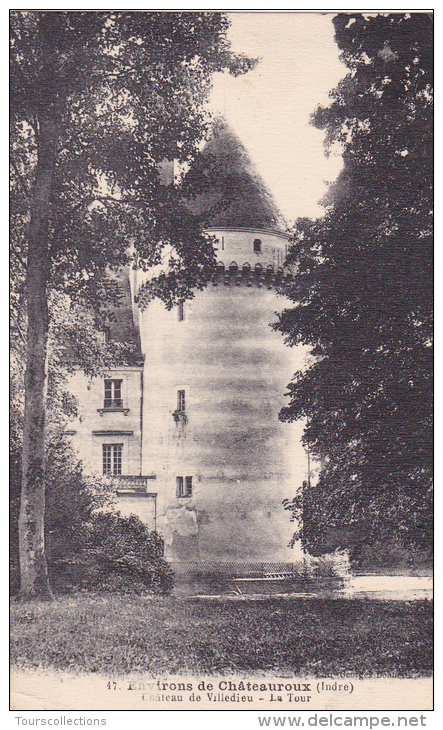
120, 321
231, 192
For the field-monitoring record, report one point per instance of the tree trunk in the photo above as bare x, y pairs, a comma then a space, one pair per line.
33, 568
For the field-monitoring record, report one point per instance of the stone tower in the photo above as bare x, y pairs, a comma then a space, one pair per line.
214, 379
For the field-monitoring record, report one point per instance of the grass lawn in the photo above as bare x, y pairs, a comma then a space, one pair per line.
318, 637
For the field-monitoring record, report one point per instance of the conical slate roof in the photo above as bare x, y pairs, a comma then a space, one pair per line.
224, 187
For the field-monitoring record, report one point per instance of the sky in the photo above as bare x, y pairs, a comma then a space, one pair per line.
269, 108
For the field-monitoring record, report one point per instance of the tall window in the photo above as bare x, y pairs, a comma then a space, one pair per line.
184, 486
112, 459
181, 401
181, 311
257, 245
113, 394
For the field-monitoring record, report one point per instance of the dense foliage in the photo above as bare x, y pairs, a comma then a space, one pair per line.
120, 93
121, 555
363, 297
71, 501
88, 544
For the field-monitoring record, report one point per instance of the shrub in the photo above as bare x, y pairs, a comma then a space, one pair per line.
334, 565
121, 555
87, 546
390, 554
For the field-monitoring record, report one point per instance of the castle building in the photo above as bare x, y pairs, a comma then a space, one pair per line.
190, 430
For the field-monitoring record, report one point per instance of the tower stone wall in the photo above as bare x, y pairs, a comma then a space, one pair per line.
220, 351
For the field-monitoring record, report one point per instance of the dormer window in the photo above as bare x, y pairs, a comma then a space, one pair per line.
257, 245
113, 394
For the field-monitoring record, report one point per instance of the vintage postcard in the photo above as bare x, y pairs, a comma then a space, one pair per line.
221, 400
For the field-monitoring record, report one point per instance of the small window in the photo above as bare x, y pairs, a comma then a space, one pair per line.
257, 245
188, 486
112, 459
181, 401
180, 486
184, 486
113, 394
181, 311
